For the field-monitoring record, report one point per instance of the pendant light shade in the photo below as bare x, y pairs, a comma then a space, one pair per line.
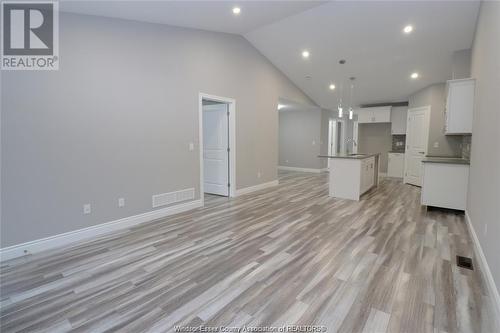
351, 111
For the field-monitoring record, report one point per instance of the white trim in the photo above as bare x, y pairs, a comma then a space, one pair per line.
232, 139
481, 259
67, 238
287, 168
258, 187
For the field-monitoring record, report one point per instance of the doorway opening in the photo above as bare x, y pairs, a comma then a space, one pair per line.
336, 135
217, 139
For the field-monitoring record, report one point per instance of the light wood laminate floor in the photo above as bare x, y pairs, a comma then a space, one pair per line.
285, 255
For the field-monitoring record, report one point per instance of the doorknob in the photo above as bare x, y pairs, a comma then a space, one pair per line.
421, 152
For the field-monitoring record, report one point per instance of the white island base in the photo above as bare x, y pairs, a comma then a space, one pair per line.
351, 176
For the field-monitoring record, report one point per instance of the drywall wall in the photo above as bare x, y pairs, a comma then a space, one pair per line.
375, 138
484, 183
439, 144
461, 64
300, 138
116, 121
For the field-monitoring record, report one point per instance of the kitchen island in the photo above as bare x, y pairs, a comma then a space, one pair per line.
351, 175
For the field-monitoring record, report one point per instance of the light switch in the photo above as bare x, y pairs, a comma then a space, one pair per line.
121, 202
191, 146
87, 209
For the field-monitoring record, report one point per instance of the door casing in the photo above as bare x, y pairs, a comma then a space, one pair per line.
232, 140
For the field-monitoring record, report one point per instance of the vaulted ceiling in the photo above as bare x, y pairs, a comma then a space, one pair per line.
368, 35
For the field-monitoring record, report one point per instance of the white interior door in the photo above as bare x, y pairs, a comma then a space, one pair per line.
216, 149
417, 134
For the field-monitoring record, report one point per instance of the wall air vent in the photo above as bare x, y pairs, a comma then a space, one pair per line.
165, 199
464, 262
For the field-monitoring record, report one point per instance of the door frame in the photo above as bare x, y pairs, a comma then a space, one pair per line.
231, 106
355, 135
427, 110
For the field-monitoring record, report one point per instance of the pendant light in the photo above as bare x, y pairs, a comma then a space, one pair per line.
351, 111
339, 107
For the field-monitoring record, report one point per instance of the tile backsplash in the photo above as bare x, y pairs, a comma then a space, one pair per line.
398, 142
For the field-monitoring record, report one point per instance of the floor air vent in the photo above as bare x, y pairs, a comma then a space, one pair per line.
464, 262
165, 199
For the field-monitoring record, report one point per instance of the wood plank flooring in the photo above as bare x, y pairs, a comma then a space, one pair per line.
285, 255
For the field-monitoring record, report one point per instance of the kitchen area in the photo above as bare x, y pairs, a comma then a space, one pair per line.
402, 141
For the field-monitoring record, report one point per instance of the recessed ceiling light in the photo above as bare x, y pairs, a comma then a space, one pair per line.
236, 10
408, 29
305, 54
332, 86
280, 106
414, 75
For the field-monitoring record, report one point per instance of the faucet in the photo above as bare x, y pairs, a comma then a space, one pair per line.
352, 140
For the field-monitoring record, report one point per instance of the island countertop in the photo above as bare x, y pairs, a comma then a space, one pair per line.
350, 156
448, 160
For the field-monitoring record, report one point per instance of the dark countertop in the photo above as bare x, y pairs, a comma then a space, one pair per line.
449, 160
353, 157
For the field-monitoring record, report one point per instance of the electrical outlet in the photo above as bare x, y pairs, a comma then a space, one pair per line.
121, 202
259, 174
436, 144
87, 209
191, 146
314, 142
286, 161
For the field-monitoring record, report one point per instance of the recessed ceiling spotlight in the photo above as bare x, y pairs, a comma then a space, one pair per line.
332, 86
408, 29
280, 106
414, 75
236, 10
305, 54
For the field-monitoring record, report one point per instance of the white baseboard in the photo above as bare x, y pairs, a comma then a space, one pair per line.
485, 269
258, 187
382, 174
287, 168
67, 238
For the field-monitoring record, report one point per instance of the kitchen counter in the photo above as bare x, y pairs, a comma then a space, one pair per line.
352, 175
449, 160
351, 156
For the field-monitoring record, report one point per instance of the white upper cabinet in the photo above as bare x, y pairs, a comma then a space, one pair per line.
380, 114
459, 106
398, 119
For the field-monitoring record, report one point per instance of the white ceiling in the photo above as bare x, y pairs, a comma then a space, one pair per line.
205, 15
367, 34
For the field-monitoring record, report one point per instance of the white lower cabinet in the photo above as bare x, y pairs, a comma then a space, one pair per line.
396, 165
367, 174
445, 185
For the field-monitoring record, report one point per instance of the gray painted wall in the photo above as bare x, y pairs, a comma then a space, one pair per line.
375, 138
461, 64
116, 121
484, 184
300, 138
435, 96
